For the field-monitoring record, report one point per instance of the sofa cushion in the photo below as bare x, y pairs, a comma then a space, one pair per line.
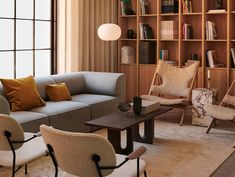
58, 92
100, 104
74, 81
22, 93
41, 83
55, 108
30, 121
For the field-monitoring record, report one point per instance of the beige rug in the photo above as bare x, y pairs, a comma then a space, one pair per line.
177, 152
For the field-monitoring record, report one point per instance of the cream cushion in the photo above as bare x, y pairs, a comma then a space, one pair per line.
164, 101
220, 112
175, 81
128, 170
30, 151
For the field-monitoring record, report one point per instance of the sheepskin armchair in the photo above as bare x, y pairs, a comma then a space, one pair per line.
17, 148
89, 155
172, 85
224, 111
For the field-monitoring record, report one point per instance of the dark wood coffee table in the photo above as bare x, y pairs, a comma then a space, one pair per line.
119, 121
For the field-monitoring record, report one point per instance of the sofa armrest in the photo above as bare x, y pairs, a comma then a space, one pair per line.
113, 84
4, 106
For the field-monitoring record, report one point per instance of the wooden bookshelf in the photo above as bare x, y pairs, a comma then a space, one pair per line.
139, 76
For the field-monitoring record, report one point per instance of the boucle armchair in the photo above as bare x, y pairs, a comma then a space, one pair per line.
17, 148
89, 155
225, 110
173, 86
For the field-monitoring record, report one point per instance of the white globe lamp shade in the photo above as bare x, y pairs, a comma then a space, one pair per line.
109, 32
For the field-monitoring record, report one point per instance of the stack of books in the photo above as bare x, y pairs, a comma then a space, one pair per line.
164, 55
187, 6
144, 7
126, 8
172, 62
211, 32
128, 54
170, 6
146, 31
233, 56
214, 11
212, 59
169, 30
187, 31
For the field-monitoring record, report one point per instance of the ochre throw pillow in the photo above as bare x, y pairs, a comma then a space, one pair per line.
58, 92
22, 93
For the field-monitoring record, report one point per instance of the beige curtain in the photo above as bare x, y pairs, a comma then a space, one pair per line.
79, 47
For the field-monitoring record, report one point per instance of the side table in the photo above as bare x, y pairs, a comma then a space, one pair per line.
200, 97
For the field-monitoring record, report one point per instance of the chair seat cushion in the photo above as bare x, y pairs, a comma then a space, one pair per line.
129, 169
164, 101
30, 151
220, 112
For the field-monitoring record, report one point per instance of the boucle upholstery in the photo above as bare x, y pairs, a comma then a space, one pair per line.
163, 101
73, 151
229, 100
220, 112
175, 81
29, 152
11, 125
127, 170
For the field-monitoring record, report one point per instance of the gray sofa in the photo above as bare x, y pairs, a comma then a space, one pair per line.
94, 94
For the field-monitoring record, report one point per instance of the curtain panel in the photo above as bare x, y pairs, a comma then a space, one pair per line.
79, 48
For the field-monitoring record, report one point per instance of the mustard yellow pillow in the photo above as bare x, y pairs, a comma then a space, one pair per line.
58, 92
22, 93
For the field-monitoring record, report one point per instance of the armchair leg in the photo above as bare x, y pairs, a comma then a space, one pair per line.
26, 169
145, 173
210, 126
183, 115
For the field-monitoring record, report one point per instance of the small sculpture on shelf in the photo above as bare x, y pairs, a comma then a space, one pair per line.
218, 4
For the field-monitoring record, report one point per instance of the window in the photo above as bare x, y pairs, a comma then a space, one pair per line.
27, 37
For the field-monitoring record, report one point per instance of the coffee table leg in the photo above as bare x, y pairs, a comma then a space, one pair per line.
148, 132
114, 137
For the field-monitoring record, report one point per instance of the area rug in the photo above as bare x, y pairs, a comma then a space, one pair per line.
177, 151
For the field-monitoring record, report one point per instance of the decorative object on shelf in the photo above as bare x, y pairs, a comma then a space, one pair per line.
212, 59
169, 30
187, 6
147, 52
126, 8
170, 6
187, 31
164, 55
211, 33
127, 54
109, 32
131, 34
137, 105
200, 98
218, 4
146, 31
144, 7
194, 56
124, 107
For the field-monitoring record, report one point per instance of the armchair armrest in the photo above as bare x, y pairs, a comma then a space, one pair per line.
4, 106
137, 153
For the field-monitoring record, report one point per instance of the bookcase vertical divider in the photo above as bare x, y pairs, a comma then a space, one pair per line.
204, 78
228, 42
138, 13
180, 60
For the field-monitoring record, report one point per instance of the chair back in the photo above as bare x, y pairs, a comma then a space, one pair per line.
174, 81
9, 124
229, 98
73, 151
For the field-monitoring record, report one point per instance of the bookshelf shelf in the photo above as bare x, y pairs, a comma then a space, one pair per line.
148, 39
128, 16
169, 14
179, 49
130, 64
149, 15
192, 40
192, 14
128, 39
